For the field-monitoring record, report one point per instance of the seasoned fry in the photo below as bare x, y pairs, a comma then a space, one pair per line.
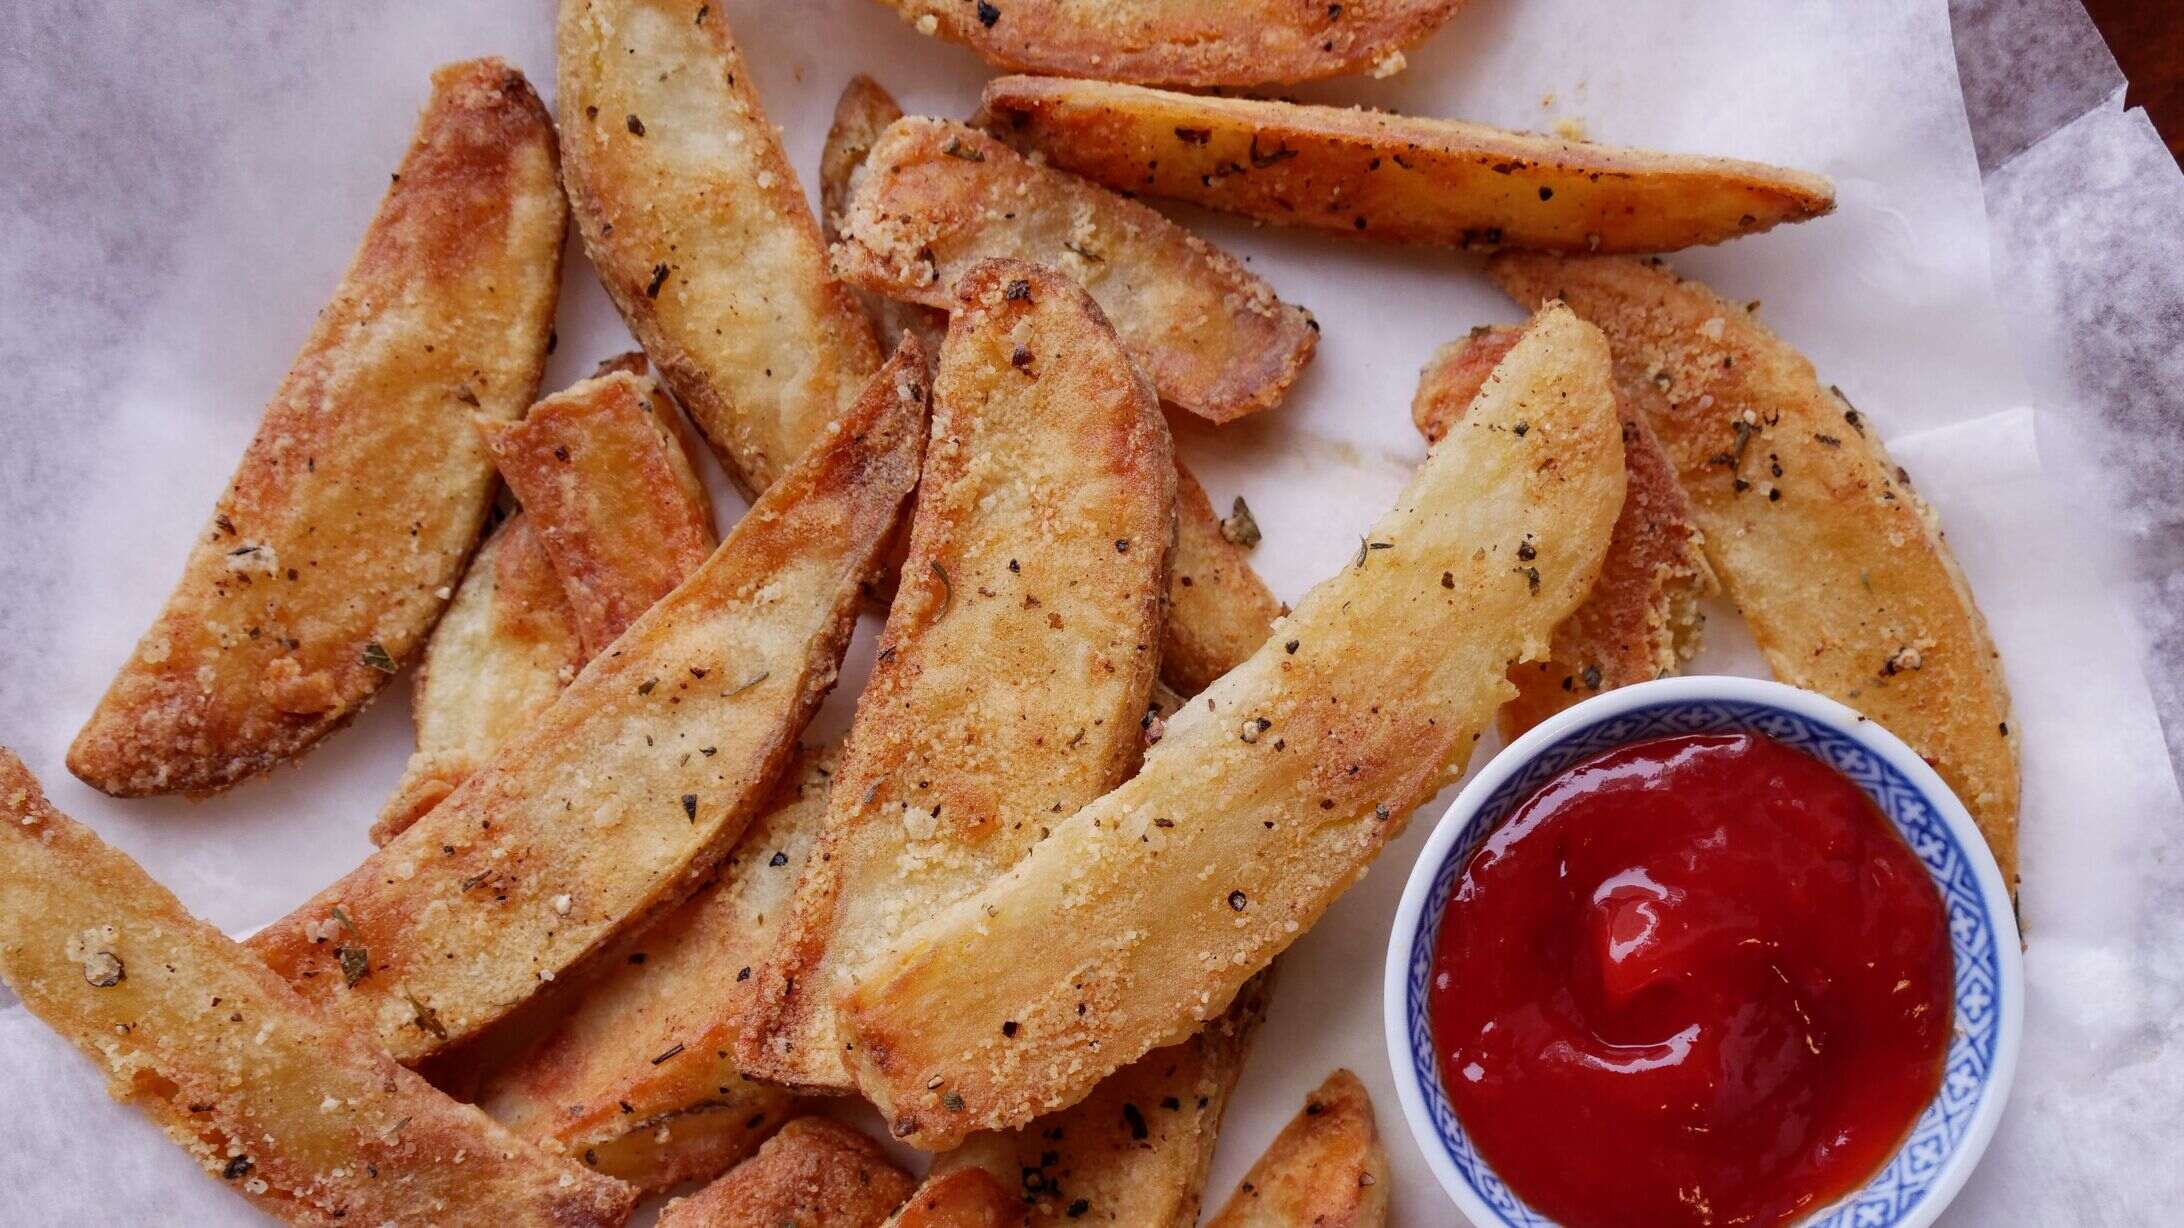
1398, 178
965, 1198
639, 1078
623, 797
293, 1109
1018, 655
1326, 1169
1273, 790
331, 551
1219, 609
1837, 565
1134, 1153
863, 112
816, 1173
1642, 619
498, 658
1186, 42
936, 197
600, 468
700, 231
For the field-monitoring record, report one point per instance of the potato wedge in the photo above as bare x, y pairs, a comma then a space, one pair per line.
936, 197
498, 658
1185, 42
1219, 610
1326, 1169
638, 1078
601, 469
701, 234
1398, 178
1270, 792
965, 1198
1837, 565
293, 1108
816, 1173
363, 493
623, 797
863, 112
1018, 655
1134, 1153
1642, 619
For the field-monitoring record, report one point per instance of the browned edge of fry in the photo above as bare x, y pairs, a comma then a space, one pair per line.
1219, 610
815, 1173
1326, 1169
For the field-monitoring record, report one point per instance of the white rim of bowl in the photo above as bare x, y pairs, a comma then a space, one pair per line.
2009, 955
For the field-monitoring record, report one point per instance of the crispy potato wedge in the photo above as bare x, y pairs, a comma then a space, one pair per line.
1016, 662
639, 1078
816, 1173
498, 658
1219, 610
965, 1198
293, 1108
1134, 1153
1326, 1169
601, 469
1270, 792
1837, 565
623, 797
1642, 619
365, 488
1185, 42
862, 113
701, 234
1394, 177
935, 198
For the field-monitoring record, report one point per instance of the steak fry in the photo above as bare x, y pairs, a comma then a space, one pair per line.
700, 231
1837, 565
1397, 178
1326, 1169
289, 1105
625, 794
1018, 655
333, 548
1144, 912
816, 1173
1642, 619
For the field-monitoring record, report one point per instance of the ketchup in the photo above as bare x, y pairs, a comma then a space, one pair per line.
1692, 981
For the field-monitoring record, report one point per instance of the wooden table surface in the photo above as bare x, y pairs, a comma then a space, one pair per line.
2147, 37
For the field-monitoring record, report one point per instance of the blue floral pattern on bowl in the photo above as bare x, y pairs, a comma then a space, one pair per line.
1919, 1163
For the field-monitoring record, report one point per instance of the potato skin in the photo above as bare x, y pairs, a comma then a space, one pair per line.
1185, 42
279, 1099
1397, 178
353, 510
1326, 1169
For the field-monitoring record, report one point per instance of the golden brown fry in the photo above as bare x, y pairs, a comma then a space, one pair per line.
1219, 610
639, 1077
700, 231
625, 794
1185, 42
1837, 565
1016, 662
498, 658
292, 1108
1642, 619
936, 197
1134, 1153
965, 1198
600, 468
363, 492
1394, 177
860, 116
816, 1173
1326, 1169
1273, 790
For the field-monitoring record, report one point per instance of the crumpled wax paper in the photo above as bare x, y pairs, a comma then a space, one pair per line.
185, 188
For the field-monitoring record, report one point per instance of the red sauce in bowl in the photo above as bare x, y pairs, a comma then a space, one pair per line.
1692, 981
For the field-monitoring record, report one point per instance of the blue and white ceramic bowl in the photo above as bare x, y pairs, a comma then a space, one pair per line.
1945, 1145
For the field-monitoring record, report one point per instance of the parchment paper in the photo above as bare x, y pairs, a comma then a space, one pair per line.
184, 189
